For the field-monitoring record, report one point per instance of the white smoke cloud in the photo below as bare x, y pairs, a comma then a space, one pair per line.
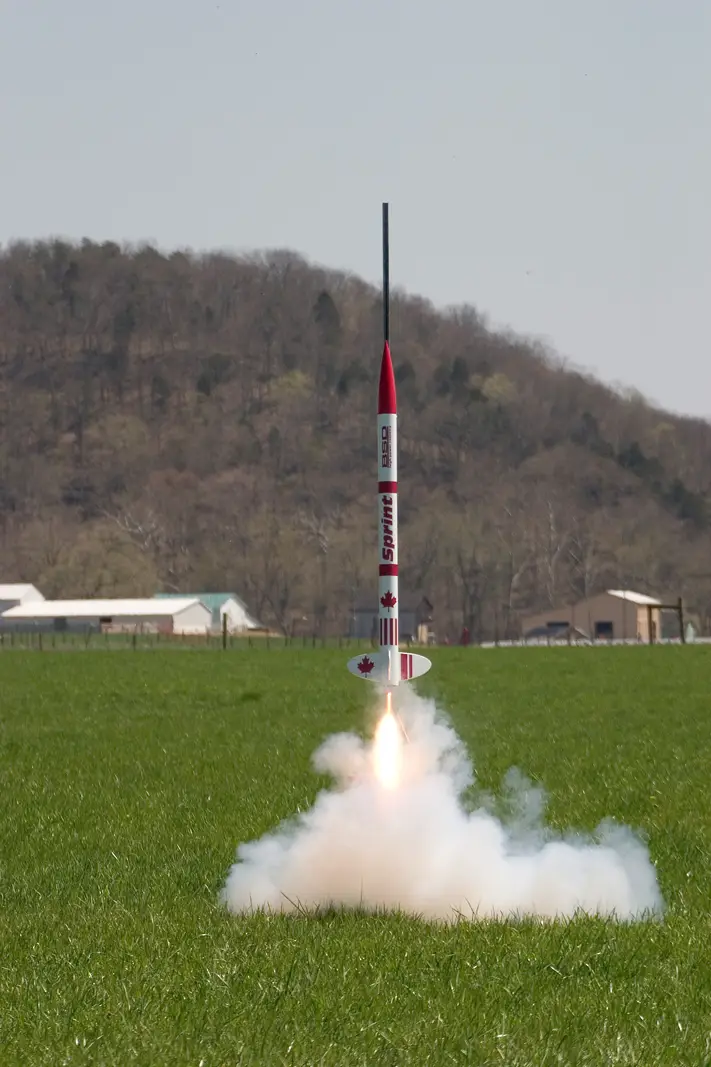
418, 849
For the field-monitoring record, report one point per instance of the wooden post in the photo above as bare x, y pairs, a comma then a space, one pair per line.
649, 624
681, 621
224, 632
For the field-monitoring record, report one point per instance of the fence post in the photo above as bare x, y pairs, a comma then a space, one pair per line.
681, 621
224, 631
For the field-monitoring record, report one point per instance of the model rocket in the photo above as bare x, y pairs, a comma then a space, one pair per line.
388, 666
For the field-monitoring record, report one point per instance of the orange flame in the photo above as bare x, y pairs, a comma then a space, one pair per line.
387, 749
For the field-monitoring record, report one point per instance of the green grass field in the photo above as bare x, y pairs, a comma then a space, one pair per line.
127, 781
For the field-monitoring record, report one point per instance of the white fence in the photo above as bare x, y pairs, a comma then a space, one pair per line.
543, 642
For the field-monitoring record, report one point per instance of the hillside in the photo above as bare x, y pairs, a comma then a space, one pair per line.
181, 422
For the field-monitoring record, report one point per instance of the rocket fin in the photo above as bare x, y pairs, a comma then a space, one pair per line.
412, 665
373, 666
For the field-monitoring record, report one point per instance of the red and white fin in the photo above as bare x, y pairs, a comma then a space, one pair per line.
412, 665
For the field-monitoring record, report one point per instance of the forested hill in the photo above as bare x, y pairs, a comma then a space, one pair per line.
207, 422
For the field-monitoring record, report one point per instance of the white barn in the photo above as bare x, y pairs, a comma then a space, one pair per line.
222, 606
186, 615
15, 593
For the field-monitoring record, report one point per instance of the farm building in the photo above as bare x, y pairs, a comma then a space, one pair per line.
618, 614
186, 615
220, 605
415, 621
18, 593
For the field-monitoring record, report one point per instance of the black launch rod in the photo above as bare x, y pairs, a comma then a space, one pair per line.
386, 275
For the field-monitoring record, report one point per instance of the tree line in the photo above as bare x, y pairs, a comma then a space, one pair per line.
181, 421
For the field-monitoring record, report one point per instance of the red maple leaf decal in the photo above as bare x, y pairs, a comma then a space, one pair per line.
388, 601
366, 665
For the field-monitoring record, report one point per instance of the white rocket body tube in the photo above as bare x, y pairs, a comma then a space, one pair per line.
388, 593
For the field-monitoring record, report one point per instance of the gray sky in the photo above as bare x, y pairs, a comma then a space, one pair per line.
548, 161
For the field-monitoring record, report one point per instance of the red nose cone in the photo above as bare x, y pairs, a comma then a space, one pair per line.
387, 404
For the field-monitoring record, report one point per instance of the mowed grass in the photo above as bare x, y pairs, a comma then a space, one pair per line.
127, 781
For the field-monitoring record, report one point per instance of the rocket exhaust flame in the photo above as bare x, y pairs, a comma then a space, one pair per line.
387, 748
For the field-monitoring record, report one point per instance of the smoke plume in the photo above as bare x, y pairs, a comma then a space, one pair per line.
418, 848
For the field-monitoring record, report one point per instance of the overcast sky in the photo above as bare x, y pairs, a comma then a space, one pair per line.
548, 161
